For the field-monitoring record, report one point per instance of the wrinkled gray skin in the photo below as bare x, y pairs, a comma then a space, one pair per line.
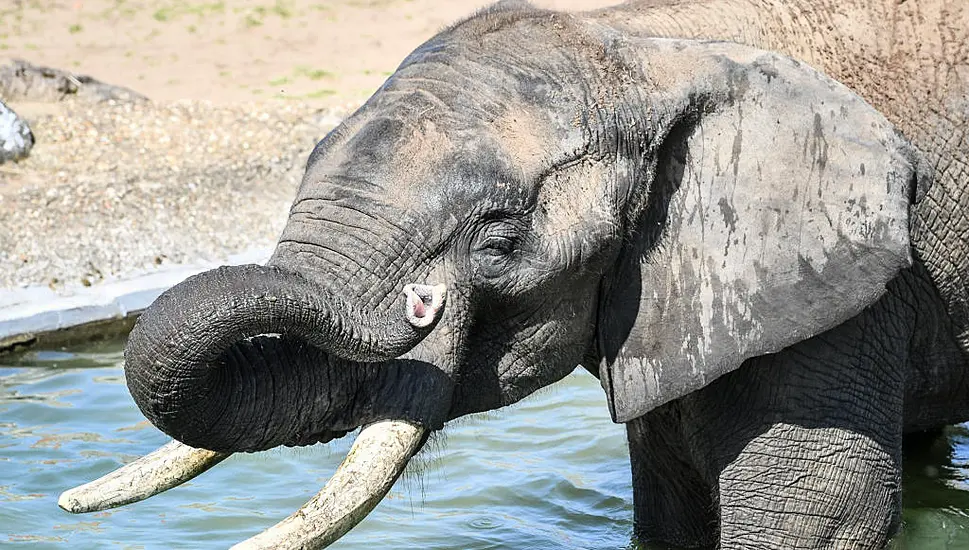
768, 280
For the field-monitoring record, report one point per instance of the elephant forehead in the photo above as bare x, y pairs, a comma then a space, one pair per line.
524, 136
447, 158
393, 157
397, 144
419, 150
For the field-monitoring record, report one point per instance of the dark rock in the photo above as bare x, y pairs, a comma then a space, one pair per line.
15, 136
22, 81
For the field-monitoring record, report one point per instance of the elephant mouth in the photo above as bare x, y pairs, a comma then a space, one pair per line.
390, 436
325, 436
249, 358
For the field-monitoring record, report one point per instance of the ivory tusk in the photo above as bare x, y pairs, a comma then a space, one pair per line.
373, 464
170, 465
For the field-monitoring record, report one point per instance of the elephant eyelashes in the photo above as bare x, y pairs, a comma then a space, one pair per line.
492, 254
498, 245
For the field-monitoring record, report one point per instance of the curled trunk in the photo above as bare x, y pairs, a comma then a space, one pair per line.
231, 359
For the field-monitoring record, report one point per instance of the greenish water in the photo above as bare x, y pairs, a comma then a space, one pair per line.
549, 473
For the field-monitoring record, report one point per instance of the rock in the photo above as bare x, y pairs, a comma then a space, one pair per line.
22, 81
15, 136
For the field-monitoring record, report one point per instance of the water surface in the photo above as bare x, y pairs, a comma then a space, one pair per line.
549, 473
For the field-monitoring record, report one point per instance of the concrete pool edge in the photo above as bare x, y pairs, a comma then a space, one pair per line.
39, 315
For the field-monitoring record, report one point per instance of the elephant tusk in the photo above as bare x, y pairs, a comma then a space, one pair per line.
170, 465
374, 463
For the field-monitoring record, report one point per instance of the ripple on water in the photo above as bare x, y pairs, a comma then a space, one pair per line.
549, 473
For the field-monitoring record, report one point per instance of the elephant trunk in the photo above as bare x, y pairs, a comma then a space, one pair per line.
235, 359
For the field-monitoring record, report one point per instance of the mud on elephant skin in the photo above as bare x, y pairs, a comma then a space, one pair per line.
763, 272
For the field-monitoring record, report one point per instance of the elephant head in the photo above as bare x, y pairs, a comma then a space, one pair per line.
656, 210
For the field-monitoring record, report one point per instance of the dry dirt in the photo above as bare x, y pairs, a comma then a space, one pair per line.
241, 91
328, 52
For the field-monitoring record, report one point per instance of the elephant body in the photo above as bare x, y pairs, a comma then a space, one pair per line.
767, 272
805, 443
788, 412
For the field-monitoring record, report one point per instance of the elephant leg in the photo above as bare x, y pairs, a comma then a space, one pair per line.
815, 499
672, 502
804, 446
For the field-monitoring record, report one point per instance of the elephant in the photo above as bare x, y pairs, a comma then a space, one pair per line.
748, 219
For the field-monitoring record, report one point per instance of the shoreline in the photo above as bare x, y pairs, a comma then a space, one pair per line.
119, 201
38, 316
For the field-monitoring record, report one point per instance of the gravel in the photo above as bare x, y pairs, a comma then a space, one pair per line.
115, 188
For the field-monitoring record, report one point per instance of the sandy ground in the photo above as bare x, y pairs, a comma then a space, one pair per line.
241, 91
328, 52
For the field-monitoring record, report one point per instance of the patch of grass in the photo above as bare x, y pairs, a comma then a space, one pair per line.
312, 95
320, 93
257, 15
171, 12
75, 28
205, 9
164, 14
282, 9
4, 46
311, 73
282, 81
192, 29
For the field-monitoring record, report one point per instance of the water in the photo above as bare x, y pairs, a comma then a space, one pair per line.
549, 473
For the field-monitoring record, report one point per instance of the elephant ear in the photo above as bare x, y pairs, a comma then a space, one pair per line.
777, 209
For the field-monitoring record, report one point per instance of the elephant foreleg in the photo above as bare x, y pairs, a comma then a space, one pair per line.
673, 504
804, 446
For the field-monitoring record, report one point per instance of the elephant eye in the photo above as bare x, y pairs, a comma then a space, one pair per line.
497, 245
